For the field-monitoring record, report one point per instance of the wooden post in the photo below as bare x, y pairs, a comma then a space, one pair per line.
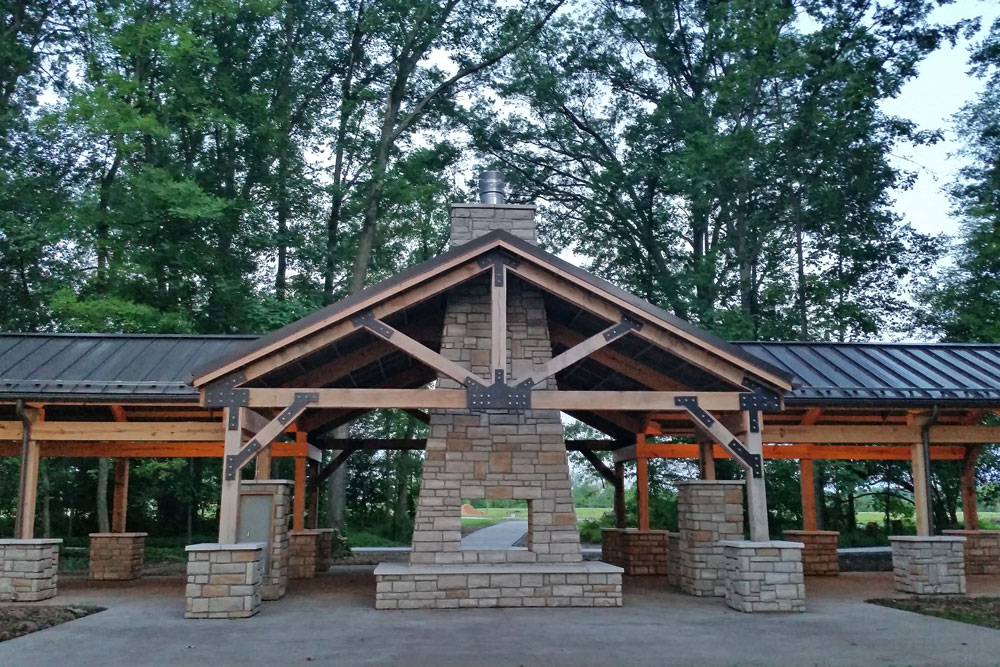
756, 493
642, 484
24, 529
620, 518
808, 490
119, 509
263, 467
967, 484
312, 496
299, 495
706, 459
229, 504
921, 488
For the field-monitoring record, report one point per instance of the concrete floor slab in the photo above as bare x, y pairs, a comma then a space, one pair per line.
331, 620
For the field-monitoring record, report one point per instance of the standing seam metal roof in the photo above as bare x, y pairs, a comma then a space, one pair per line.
135, 367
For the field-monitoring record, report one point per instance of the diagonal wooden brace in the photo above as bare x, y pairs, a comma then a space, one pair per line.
415, 349
584, 349
267, 435
331, 467
711, 426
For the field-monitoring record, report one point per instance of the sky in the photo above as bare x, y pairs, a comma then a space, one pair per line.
941, 87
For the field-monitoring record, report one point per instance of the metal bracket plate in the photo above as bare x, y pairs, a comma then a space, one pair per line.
368, 320
499, 396
234, 462
497, 257
224, 394
752, 460
691, 403
617, 331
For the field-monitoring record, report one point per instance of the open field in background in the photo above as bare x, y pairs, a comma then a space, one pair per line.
495, 515
879, 517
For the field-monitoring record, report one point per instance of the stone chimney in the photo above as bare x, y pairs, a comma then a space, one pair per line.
470, 221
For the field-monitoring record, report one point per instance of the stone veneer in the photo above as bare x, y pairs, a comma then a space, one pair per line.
764, 576
116, 556
303, 550
274, 581
638, 552
585, 584
982, 550
324, 549
819, 554
29, 569
673, 558
708, 512
470, 221
224, 580
928, 565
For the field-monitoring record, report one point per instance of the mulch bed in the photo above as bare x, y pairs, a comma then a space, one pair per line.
984, 611
17, 620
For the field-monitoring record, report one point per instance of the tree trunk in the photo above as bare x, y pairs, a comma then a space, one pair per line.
103, 524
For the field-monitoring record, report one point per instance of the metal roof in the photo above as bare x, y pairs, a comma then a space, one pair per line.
900, 373
138, 367
99, 366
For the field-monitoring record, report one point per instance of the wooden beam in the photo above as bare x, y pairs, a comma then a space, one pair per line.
669, 337
498, 323
331, 467
881, 434
620, 517
159, 450
921, 489
808, 493
602, 470
756, 490
327, 330
24, 528
967, 486
299, 495
263, 468
229, 502
579, 351
419, 351
642, 486
816, 452
119, 507
616, 361
341, 366
706, 459
73, 431
639, 401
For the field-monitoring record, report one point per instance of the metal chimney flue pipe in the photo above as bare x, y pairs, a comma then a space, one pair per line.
491, 188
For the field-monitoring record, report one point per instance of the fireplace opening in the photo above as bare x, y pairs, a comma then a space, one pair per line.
495, 524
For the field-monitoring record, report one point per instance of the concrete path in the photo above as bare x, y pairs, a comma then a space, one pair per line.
500, 536
331, 620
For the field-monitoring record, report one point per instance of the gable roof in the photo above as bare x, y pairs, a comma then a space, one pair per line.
129, 366
460, 255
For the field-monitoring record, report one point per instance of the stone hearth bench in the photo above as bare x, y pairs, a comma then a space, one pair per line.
584, 584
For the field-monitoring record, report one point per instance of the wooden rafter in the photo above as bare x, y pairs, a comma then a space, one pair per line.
498, 322
582, 349
616, 361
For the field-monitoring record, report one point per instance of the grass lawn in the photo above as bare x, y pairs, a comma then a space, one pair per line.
879, 517
494, 515
984, 611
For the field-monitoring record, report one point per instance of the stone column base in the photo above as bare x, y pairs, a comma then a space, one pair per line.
224, 580
673, 558
585, 584
324, 549
638, 552
764, 576
116, 556
708, 511
274, 581
29, 570
819, 555
982, 550
302, 554
928, 565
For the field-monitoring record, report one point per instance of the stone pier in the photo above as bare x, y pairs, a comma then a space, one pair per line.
303, 551
637, 552
224, 580
29, 570
928, 565
116, 556
819, 553
764, 576
708, 512
982, 550
674, 558
324, 549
